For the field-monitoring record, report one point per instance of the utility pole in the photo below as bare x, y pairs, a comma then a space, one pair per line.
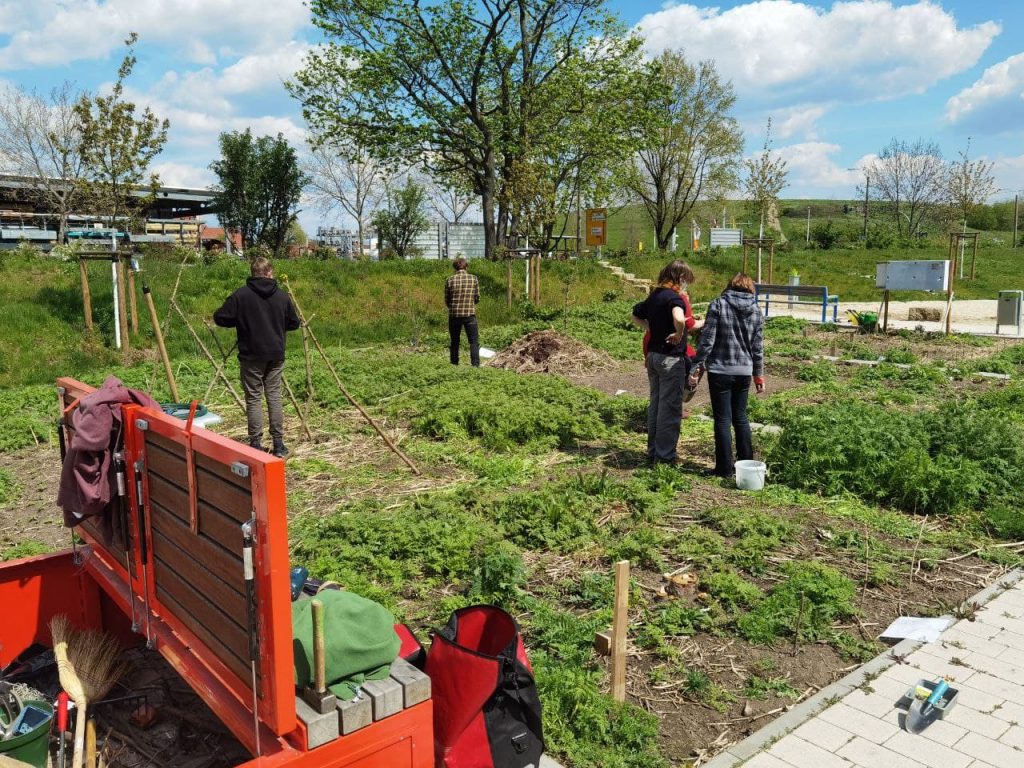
1016, 205
867, 185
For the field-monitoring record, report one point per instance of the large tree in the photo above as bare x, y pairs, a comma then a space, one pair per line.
350, 179
259, 186
910, 181
692, 151
464, 85
118, 143
40, 139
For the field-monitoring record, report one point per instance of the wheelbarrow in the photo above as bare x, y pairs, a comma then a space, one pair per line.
866, 322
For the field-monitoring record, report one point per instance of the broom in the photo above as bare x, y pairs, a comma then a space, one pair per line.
89, 664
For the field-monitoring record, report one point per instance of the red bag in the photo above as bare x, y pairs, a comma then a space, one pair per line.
487, 713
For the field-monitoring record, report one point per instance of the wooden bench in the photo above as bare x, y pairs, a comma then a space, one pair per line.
814, 295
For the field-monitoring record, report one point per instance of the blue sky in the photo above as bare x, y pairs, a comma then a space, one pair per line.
839, 79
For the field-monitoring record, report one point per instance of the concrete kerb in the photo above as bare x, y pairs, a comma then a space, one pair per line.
742, 751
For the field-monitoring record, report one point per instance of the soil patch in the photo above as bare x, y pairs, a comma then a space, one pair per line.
31, 518
551, 352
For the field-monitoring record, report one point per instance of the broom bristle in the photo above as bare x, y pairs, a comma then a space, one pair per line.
88, 662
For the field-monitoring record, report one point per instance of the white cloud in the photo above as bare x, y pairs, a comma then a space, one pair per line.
1009, 173
995, 102
812, 168
781, 51
53, 32
173, 174
799, 121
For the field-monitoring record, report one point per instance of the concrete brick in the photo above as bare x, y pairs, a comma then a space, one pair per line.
974, 644
926, 751
386, 697
935, 666
1009, 639
974, 628
803, 754
764, 760
1005, 669
903, 673
823, 733
1007, 654
1007, 710
320, 728
872, 703
1014, 737
865, 726
869, 755
945, 732
887, 687
415, 684
989, 751
997, 687
354, 714
975, 722
976, 699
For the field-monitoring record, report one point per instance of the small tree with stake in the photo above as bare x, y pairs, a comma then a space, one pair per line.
118, 144
403, 219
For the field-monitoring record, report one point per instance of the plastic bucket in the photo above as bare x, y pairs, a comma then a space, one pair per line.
34, 747
750, 475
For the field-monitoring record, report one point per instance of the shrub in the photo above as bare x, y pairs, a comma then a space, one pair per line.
818, 372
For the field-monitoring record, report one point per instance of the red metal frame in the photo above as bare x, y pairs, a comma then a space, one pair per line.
98, 593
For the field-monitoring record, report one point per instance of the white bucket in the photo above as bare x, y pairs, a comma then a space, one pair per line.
750, 475
486, 353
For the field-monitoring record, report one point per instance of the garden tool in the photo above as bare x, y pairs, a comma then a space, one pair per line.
122, 507
62, 728
88, 663
924, 712
249, 575
865, 321
317, 695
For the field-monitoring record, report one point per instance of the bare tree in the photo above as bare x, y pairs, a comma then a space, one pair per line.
450, 200
969, 183
40, 139
911, 180
766, 178
350, 180
693, 151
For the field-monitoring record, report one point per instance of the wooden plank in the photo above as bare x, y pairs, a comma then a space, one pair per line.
168, 465
177, 449
218, 561
214, 525
233, 501
200, 610
620, 620
229, 600
223, 471
415, 684
385, 697
239, 667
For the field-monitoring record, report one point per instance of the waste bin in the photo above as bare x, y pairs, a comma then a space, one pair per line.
1009, 308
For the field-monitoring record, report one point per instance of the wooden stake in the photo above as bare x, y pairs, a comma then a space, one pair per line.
298, 410
319, 661
131, 299
218, 369
337, 379
974, 258
160, 343
86, 294
90, 743
949, 302
619, 623
122, 294
309, 365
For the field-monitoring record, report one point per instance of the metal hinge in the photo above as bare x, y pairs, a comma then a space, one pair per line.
141, 424
240, 469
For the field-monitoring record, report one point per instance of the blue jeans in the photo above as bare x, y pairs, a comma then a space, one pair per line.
665, 375
729, 406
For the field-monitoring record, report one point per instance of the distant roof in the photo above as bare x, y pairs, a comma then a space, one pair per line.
170, 202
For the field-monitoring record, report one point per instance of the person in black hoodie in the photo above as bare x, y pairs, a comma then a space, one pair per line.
731, 349
261, 314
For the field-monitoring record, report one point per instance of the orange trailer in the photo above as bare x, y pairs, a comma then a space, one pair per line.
179, 570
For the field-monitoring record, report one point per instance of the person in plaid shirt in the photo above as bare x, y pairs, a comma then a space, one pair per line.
461, 295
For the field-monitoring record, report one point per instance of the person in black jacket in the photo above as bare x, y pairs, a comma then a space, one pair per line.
261, 314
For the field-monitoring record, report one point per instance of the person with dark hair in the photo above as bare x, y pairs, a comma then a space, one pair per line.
663, 313
261, 314
731, 350
461, 295
692, 323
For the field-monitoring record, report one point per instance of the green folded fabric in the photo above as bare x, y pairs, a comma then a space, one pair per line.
359, 641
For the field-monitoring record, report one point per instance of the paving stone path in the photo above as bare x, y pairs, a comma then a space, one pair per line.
856, 722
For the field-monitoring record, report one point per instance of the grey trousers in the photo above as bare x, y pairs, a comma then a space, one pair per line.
263, 378
666, 375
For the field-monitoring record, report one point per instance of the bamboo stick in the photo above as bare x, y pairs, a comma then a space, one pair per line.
337, 379
126, 343
83, 269
218, 370
155, 320
132, 300
295, 404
